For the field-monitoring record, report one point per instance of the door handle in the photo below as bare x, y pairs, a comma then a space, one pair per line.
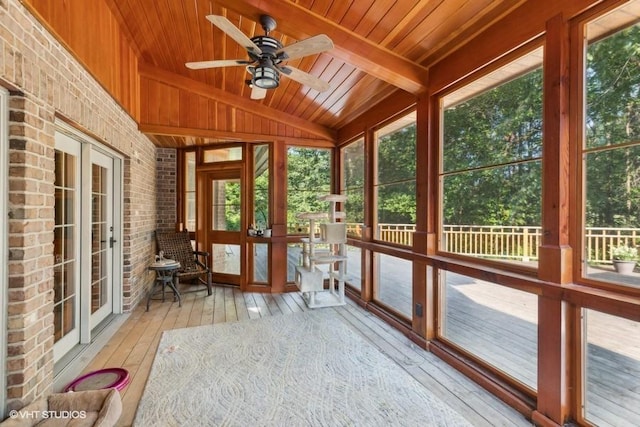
111, 241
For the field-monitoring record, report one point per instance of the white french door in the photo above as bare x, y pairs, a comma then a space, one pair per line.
66, 243
4, 240
102, 238
87, 273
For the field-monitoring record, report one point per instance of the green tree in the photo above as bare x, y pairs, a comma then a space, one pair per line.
397, 176
261, 185
232, 205
613, 118
308, 176
491, 156
353, 173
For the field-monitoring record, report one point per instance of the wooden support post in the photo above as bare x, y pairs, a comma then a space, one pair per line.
554, 331
422, 319
277, 177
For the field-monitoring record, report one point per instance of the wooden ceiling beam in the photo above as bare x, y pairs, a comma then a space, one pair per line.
238, 102
300, 23
229, 136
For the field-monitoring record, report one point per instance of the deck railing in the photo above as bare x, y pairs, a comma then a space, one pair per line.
401, 234
599, 240
519, 243
504, 242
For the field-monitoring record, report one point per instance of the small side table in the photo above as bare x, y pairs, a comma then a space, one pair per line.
165, 270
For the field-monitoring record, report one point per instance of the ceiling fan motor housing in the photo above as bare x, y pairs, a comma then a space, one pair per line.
265, 74
268, 45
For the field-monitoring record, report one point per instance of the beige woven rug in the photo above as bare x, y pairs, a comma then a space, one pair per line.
303, 369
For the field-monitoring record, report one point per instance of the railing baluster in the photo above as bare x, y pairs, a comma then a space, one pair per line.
506, 242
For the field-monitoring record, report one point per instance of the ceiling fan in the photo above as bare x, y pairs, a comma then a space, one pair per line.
266, 56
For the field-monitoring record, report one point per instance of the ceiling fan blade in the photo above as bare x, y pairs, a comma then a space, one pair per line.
234, 32
315, 44
216, 64
305, 78
258, 93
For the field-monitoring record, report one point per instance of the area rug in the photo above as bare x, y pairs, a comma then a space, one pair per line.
303, 369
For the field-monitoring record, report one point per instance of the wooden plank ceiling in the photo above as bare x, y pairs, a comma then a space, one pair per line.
381, 46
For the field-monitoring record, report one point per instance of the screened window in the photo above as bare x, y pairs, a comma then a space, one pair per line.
491, 164
395, 181
308, 176
611, 150
227, 154
354, 266
189, 180
611, 369
393, 283
353, 186
261, 186
495, 323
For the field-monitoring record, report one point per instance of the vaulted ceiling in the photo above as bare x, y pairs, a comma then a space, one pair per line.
380, 47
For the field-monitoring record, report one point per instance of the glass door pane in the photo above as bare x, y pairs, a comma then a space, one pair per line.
260, 254
223, 221
226, 258
99, 240
190, 191
101, 237
225, 195
66, 248
225, 216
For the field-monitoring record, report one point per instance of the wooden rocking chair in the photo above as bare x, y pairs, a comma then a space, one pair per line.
193, 264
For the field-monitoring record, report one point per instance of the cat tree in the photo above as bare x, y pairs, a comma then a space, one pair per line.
332, 240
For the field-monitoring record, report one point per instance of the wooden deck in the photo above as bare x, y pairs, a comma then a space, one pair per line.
134, 345
499, 325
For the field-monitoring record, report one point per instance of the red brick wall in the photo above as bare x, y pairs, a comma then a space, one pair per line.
30, 320
46, 82
166, 185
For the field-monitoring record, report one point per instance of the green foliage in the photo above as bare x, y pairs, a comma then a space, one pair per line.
499, 126
397, 156
613, 188
308, 176
491, 152
613, 118
232, 205
353, 173
260, 217
396, 189
355, 205
261, 200
397, 203
613, 89
624, 253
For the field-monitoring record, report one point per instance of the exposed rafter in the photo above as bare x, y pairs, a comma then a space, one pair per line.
211, 136
241, 103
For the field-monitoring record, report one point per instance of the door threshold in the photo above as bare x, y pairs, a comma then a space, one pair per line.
71, 365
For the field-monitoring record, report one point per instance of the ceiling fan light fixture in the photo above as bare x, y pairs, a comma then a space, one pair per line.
266, 77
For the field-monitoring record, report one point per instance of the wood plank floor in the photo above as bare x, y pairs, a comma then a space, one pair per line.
134, 346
